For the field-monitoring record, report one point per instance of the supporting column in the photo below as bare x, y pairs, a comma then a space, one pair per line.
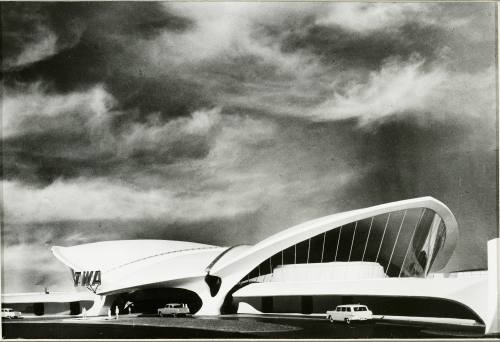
39, 309
306, 304
74, 308
267, 304
101, 305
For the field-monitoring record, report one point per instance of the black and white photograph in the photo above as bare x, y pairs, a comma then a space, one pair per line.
249, 170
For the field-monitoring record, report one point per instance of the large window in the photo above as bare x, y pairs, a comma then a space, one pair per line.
405, 243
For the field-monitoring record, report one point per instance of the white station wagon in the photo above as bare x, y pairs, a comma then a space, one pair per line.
174, 310
348, 313
10, 313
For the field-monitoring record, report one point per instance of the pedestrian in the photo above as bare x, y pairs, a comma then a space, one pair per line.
84, 313
109, 313
117, 311
129, 310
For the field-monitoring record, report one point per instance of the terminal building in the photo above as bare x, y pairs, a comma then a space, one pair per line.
388, 257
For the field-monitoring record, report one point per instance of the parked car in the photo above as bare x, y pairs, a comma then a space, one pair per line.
348, 313
10, 313
173, 309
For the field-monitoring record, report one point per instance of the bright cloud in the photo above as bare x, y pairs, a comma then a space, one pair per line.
396, 88
35, 110
100, 199
157, 136
362, 17
218, 190
45, 46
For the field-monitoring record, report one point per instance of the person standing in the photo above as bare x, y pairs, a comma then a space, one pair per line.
84, 313
109, 313
117, 311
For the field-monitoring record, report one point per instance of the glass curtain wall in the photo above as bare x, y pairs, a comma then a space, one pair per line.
405, 243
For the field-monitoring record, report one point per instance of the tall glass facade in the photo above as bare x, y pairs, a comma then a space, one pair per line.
405, 243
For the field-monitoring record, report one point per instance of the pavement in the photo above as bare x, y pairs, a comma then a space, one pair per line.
232, 326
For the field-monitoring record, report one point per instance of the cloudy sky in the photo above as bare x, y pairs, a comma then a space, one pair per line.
223, 123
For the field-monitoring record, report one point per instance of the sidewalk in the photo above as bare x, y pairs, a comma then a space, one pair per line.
408, 319
440, 320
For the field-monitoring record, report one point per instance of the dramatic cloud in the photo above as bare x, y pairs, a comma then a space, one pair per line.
364, 17
36, 42
402, 88
104, 198
394, 89
223, 123
31, 110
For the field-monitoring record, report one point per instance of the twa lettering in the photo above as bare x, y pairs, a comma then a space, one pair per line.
87, 278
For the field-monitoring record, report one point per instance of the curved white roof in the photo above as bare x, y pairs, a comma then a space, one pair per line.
159, 269
107, 255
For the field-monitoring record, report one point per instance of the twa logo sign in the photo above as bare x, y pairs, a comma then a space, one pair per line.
87, 278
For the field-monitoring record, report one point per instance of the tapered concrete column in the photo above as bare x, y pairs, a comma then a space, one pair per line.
211, 305
101, 305
492, 325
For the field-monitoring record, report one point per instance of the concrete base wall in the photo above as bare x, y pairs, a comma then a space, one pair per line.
397, 306
47, 308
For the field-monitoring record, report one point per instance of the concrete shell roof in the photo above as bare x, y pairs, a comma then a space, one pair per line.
108, 255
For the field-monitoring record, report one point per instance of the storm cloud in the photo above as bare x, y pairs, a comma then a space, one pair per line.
223, 123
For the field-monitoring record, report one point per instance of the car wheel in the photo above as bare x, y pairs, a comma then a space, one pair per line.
348, 320
331, 319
